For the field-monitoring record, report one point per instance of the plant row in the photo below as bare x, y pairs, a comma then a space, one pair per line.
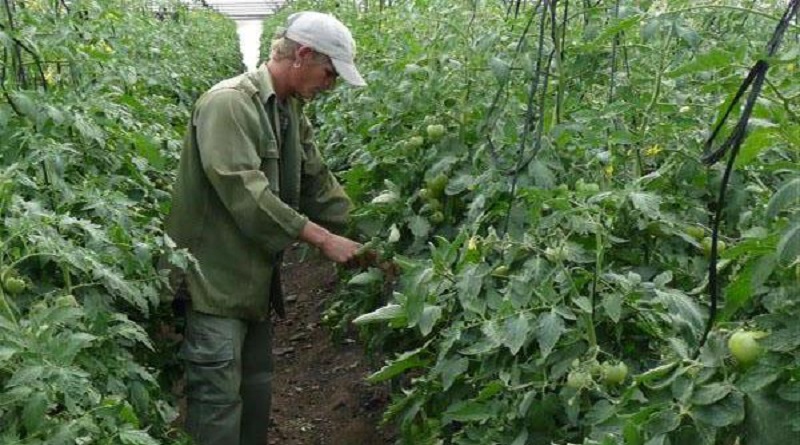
95, 97
534, 170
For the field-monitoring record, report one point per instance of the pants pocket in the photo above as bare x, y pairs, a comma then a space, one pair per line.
208, 351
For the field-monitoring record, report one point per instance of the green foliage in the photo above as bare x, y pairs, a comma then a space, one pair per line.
554, 229
95, 98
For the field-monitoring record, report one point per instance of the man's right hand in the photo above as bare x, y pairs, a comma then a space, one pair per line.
336, 248
339, 248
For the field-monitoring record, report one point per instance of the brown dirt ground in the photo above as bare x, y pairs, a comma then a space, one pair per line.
319, 393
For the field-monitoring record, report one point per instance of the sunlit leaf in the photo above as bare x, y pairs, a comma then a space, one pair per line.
385, 313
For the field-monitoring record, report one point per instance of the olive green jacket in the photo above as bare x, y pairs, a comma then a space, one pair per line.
243, 194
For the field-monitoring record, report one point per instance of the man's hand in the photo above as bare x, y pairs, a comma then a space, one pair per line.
335, 247
339, 248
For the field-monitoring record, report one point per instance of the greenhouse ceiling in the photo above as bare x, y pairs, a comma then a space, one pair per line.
245, 9
235, 9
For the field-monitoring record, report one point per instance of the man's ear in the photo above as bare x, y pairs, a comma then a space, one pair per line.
304, 53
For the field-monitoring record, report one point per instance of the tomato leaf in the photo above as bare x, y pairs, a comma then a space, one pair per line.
548, 329
33, 415
385, 313
407, 360
789, 246
728, 411
470, 411
711, 393
451, 369
787, 196
430, 315
663, 422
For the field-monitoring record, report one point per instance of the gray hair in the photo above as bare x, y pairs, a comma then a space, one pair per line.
284, 48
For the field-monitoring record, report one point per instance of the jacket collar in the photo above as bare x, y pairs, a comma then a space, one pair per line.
263, 82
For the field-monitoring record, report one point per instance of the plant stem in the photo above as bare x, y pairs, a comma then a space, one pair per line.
653, 101
7, 307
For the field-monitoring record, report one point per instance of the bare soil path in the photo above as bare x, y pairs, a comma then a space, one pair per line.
319, 393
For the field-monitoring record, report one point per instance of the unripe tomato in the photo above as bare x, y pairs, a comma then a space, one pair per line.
744, 347
614, 374
696, 232
706, 245
14, 285
655, 229
556, 254
590, 187
438, 184
596, 369
414, 142
435, 131
66, 301
437, 217
434, 204
578, 379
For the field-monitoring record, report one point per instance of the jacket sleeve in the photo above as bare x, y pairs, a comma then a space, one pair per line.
228, 128
322, 198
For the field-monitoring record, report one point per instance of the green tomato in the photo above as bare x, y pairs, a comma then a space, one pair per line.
438, 184
595, 368
437, 217
66, 301
434, 204
706, 245
424, 194
556, 254
655, 229
744, 347
696, 232
614, 374
14, 285
589, 187
414, 142
435, 131
578, 379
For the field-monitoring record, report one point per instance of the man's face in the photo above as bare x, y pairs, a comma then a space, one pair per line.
315, 76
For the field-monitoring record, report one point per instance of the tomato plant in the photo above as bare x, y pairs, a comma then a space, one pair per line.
574, 207
95, 95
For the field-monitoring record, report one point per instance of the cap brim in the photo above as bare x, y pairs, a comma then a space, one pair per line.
348, 72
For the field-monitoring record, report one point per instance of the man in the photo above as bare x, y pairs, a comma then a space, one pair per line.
250, 183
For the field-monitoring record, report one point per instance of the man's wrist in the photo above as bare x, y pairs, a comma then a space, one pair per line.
326, 237
315, 235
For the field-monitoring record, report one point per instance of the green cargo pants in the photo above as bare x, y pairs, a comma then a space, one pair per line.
228, 379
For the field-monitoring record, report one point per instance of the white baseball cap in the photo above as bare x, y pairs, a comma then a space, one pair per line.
326, 35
